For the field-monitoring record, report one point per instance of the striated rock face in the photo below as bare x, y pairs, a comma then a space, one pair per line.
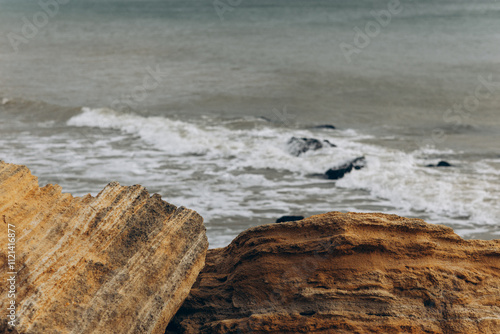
347, 273
122, 262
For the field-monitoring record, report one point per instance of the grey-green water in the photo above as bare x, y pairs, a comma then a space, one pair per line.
204, 102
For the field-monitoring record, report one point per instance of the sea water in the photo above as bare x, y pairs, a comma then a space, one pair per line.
196, 100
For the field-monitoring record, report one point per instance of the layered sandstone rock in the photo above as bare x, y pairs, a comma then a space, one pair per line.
347, 273
121, 262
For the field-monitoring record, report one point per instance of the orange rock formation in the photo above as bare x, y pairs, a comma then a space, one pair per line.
121, 262
347, 273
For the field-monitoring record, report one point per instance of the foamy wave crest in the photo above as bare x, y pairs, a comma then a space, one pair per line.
242, 170
174, 137
461, 196
259, 147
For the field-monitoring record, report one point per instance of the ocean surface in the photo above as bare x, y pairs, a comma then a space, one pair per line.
197, 100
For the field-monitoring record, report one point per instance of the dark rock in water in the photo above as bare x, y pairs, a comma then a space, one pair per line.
288, 219
297, 146
339, 172
326, 141
442, 163
324, 126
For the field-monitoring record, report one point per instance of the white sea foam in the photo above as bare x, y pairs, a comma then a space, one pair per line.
235, 173
260, 147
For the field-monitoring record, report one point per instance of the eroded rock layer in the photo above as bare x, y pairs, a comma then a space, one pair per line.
121, 262
347, 273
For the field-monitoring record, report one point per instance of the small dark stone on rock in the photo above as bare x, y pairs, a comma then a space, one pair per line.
288, 219
339, 172
308, 313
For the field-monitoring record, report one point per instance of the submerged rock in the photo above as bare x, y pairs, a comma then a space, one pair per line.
442, 163
346, 273
284, 219
339, 172
297, 146
120, 262
324, 126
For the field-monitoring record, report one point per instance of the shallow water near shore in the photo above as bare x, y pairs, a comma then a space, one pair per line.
209, 131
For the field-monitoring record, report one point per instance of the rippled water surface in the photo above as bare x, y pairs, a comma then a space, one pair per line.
198, 105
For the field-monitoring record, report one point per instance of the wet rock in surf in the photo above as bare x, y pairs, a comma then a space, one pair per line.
442, 163
284, 219
324, 126
297, 146
339, 172
120, 262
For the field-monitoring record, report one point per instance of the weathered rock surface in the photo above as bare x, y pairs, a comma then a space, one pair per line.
297, 146
339, 172
121, 262
347, 273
